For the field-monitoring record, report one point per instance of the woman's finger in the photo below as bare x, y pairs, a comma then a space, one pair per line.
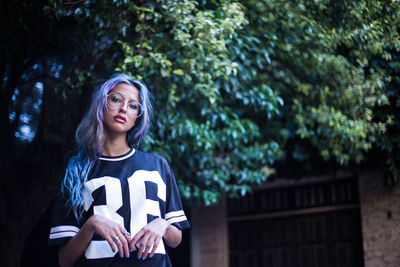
142, 247
124, 244
126, 239
135, 239
111, 243
147, 248
116, 239
127, 235
156, 243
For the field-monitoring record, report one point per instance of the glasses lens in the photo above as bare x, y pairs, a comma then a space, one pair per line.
135, 107
115, 101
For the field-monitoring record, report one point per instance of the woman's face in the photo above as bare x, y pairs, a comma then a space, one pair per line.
121, 109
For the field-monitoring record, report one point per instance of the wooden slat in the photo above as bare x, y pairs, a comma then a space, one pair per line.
292, 212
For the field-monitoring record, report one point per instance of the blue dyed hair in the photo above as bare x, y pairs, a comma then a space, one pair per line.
90, 137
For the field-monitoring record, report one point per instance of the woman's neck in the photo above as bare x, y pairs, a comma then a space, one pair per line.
115, 146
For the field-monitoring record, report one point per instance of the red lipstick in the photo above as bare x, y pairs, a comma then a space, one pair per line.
120, 119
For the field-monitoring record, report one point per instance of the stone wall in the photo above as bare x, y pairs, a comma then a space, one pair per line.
380, 212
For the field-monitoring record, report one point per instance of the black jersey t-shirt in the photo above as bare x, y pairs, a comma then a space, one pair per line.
132, 190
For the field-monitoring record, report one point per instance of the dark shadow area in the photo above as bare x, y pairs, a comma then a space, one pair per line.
36, 252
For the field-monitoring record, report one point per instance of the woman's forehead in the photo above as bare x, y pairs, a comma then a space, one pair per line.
127, 91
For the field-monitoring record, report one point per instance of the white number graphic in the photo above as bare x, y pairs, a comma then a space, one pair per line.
143, 206
140, 206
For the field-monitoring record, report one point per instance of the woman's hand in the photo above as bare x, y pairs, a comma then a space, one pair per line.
149, 238
115, 234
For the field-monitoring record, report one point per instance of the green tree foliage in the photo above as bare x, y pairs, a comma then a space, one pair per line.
335, 64
180, 49
238, 86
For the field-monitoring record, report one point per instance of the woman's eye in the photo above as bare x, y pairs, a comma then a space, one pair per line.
115, 98
133, 106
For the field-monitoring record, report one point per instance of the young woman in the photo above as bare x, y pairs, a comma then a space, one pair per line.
117, 206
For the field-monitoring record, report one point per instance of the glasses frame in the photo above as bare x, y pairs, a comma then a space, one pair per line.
140, 111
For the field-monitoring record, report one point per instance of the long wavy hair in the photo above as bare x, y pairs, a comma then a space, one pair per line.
90, 138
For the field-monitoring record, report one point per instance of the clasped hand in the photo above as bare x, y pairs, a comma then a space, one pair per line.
146, 240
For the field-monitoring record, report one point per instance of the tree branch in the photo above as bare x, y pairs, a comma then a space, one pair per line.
71, 3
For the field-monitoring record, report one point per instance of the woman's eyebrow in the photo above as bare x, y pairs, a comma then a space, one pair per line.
124, 96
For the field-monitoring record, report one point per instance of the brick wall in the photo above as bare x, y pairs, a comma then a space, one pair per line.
209, 240
380, 212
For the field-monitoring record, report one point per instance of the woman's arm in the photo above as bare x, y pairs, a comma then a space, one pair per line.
76, 246
69, 253
151, 235
172, 236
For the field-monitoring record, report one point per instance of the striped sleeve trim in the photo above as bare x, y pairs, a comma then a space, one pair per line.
177, 219
175, 216
63, 231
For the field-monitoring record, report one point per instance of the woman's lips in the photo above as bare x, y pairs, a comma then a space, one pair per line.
120, 119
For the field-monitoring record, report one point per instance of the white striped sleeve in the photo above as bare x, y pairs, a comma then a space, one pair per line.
63, 231
175, 216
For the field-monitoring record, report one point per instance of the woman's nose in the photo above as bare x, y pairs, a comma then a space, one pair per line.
124, 107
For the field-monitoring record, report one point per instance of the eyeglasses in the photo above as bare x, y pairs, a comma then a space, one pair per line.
116, 101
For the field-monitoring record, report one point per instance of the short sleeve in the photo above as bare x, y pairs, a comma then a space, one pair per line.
174, 211
63, 226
